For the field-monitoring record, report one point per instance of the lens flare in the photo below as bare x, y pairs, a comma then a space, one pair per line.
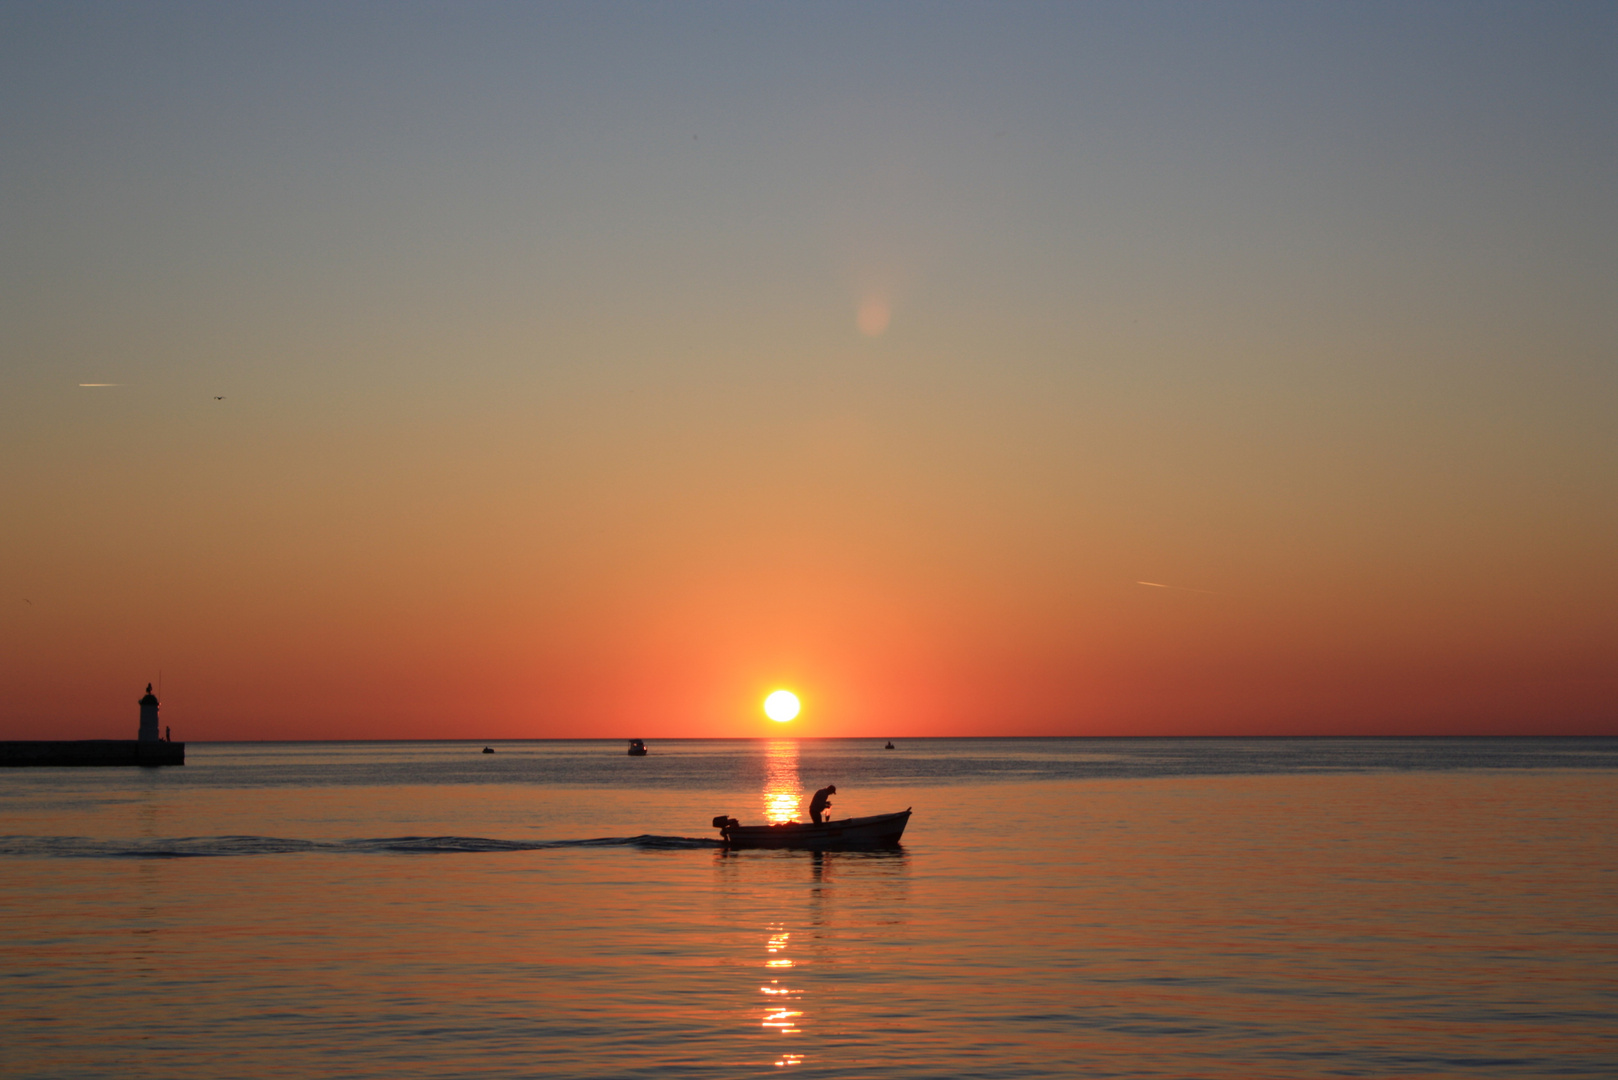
873, 316
781, 706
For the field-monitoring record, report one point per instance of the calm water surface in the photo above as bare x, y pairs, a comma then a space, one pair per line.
1129, 908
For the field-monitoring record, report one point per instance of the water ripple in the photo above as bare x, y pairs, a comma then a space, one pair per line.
193, 847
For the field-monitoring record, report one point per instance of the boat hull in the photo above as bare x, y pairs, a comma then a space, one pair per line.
848, 834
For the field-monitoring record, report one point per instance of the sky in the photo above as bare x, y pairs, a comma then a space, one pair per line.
591, 370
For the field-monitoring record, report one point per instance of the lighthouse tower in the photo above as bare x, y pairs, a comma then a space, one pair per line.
148, 716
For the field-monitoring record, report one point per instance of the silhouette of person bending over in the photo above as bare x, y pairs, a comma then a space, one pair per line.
820, 802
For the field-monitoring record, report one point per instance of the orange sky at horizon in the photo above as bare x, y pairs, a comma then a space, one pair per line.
897, 621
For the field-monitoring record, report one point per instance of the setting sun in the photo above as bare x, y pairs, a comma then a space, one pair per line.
781, 706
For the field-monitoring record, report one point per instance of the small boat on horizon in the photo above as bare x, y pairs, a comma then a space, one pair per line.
637, 748
847, 834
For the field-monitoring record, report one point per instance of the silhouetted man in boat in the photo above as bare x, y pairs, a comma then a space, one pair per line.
821, 801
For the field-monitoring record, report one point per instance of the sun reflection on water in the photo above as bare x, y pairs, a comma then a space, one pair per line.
782, 787
782, 792
783, 1019
779, 1013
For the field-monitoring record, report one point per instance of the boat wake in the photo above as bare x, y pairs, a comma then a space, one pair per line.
203, 847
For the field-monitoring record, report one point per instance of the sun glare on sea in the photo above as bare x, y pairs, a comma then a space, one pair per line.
781, 706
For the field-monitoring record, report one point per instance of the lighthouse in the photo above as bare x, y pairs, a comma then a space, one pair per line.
148, 717
150, 749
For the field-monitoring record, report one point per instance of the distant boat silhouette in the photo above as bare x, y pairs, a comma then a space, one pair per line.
637, 748
889, 746
488, 749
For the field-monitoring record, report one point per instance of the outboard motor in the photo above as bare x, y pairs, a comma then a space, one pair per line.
722, 822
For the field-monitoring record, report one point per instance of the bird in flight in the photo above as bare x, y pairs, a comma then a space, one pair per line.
220, 397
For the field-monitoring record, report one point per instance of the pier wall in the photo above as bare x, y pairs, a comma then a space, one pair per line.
92, 752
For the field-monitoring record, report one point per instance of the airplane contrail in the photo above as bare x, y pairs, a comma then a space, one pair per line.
1181, 588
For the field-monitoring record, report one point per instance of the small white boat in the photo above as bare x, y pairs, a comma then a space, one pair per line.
846, 834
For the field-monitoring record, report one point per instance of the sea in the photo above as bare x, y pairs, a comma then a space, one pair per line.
1253, 908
